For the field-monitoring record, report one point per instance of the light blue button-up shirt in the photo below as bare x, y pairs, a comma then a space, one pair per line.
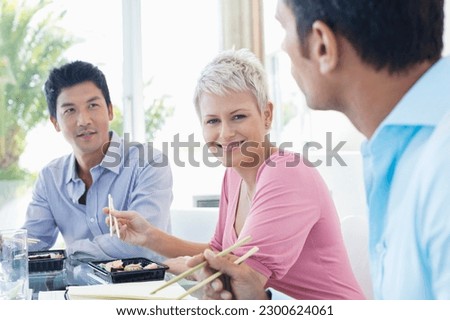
138, 178
407, 177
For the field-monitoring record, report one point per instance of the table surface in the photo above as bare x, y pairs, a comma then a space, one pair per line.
74, 273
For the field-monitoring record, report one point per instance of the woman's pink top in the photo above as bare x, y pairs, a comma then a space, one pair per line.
294, 223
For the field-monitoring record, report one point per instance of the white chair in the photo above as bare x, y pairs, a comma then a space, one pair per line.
356, 238
195, 224
198, 224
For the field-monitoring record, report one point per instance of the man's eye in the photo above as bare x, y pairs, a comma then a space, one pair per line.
69, 110
93, 105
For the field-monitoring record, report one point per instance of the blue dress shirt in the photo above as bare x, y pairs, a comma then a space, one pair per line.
407, 177
137, 176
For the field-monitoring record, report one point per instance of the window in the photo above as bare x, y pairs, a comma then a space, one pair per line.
296, 125
98, 40
178, 39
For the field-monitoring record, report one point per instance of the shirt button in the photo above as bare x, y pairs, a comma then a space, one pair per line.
92, 220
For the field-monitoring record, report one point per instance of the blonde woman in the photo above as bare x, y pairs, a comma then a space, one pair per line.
266, 193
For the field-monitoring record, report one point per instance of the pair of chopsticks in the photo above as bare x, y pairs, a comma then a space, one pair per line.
217, 274
29, 240
33, 240
201, 265
111, 218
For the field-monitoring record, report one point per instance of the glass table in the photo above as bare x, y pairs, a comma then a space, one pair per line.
76, 273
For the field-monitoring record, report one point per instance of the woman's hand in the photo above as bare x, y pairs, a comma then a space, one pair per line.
178, 265
134, 228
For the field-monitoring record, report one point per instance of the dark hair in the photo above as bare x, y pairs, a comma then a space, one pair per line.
69, 75
385, 33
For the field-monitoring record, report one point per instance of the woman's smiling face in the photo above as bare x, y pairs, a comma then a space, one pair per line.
234, 127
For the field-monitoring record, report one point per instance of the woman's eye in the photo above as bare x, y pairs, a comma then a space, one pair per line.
239, 117
212, 121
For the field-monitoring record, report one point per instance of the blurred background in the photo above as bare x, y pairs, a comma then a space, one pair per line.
151, 52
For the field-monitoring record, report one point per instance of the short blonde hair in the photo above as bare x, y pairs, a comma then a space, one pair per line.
233, 71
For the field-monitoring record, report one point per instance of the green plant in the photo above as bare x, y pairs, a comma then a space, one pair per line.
117, 123
30, 45
155, 116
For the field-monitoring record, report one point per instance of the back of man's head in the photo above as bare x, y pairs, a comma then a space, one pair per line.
71, 74
392, 34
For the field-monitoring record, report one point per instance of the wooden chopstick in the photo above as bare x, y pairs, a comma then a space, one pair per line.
110, 215
217, 274
29, 240
33, 240
201, 265
111, 218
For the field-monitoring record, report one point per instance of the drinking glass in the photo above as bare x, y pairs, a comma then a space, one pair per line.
13, 264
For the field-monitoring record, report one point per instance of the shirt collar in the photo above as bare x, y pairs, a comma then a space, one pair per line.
114, 156
71, 173
109, 160
420, 106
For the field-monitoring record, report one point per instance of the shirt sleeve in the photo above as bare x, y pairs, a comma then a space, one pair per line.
434, 222
216, 241
285, 208
40, 223
151, 196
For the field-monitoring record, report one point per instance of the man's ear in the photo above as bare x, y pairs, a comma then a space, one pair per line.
324, 47
55, 123
110, 112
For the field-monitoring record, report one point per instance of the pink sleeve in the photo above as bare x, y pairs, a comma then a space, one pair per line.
216, 241
285, 208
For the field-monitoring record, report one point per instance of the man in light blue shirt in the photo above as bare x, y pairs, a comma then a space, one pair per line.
71, 191
407, 175
379, 62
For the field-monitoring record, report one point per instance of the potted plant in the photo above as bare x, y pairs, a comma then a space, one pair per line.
30, 45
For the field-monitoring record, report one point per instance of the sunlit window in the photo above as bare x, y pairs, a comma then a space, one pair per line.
178, 39
175, 47
96, 38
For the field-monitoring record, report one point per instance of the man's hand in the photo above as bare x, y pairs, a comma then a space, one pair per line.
246, 283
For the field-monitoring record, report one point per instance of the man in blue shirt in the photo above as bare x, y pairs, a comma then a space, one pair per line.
72, 190
379, 62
